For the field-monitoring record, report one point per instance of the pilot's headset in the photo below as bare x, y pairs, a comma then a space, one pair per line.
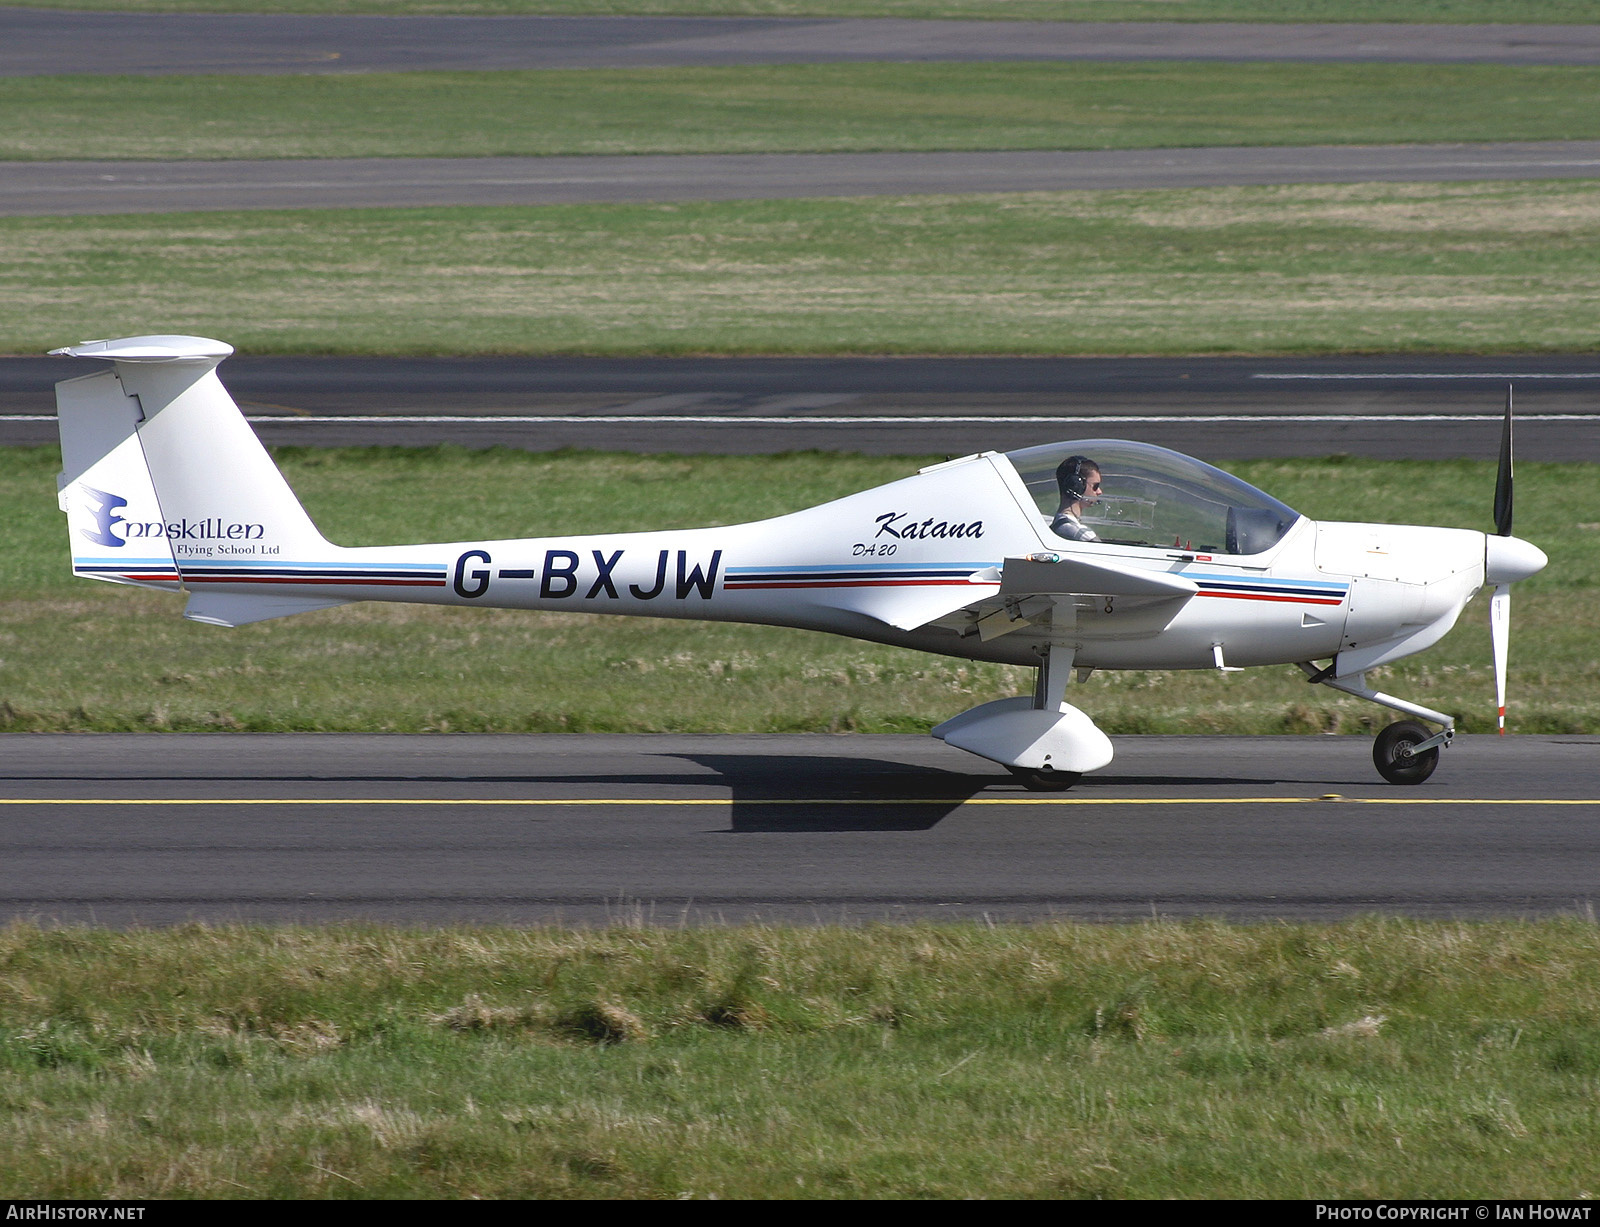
1072, 475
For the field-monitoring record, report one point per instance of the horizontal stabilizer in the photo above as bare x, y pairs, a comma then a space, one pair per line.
150, 349
1075, 574
240, 609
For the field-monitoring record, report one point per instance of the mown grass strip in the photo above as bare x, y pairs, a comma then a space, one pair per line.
77, 655
1375, 267
1373, 1059
1013, 10
792, 108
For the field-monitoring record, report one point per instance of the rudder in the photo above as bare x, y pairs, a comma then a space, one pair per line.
105, 487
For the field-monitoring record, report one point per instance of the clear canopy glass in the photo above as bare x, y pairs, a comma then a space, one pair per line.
1154, 497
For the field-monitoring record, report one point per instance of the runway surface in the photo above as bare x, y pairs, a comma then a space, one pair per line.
87, 188
1410, 407
124, 829
34, 41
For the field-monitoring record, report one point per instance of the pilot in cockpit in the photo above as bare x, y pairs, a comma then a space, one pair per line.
1079, 479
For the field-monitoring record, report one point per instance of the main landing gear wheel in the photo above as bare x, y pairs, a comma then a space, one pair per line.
1046, 780
1392, 755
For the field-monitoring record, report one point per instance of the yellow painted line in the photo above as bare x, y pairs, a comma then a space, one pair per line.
704, 801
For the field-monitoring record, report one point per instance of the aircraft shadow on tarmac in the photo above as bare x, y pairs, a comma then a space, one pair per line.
776, 793
802, 793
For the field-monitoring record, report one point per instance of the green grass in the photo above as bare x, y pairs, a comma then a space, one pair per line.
1367, 267
78, 655
1369, 1059
786, 108
1015, 10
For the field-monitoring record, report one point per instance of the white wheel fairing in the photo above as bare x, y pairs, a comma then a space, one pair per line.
1014, 733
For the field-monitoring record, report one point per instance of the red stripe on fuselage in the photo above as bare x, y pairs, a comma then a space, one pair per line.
1262, 596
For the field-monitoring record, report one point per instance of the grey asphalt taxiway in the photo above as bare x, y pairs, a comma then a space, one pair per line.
38, 41
115, 829
69, 188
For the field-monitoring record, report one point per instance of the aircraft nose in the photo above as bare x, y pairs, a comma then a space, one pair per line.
1508, 559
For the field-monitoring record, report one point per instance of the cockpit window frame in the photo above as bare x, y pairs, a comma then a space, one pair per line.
1191, 507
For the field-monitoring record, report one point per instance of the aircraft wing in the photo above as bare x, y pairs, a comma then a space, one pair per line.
1073, 587
1077, 575
911, 607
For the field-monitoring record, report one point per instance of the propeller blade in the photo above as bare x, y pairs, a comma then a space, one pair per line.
1502, 485
1500, 637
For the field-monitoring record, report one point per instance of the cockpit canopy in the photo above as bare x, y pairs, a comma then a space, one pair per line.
1159, 498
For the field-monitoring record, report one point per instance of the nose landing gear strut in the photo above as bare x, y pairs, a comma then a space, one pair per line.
1404, 752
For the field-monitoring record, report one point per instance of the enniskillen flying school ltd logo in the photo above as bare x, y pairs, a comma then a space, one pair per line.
104, 507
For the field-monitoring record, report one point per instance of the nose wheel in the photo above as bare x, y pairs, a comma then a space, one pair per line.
1396, 754
1405, 752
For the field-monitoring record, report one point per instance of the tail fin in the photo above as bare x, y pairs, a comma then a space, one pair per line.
164, 482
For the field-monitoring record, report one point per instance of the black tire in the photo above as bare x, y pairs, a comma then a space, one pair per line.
1391, 753
1046, 780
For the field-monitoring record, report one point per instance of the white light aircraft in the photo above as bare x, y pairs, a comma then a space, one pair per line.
1156, 561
